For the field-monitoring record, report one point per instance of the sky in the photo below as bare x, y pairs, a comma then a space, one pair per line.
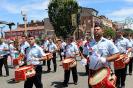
10, 10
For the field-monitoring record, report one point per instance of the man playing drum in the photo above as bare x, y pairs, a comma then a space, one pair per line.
34, 56
103, 51
124, 47
70, 52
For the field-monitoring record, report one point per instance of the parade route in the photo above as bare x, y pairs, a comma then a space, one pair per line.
55, 79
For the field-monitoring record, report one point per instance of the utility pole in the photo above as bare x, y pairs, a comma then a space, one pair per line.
25, 22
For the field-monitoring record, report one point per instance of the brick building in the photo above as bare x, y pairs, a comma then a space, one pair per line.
37, 29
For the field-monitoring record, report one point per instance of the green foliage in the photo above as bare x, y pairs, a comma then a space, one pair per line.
127, 31
60, 12
109, 32
38, 40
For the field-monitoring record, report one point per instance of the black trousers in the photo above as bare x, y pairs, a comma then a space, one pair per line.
54, 62
3, 61
60, 51
67, 75
121, 77
130, 65
86, 66
35, 79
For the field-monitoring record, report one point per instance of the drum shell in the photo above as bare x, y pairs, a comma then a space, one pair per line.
21, 73
105, 83
49, 56
119, 63
70, 64
18, 59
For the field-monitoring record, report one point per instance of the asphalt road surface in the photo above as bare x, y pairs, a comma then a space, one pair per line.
55, 79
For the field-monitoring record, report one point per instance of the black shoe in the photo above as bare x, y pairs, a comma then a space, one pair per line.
75, 83
54, 70
130, 73
48, 70
118, 87
6, 75
123, 87
65, 84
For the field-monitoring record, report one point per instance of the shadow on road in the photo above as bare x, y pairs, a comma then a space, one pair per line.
12, 81
82, 74
57, 84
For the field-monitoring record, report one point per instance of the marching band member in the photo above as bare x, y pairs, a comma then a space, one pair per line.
13, 51
52, 48
4, 52
86, 50
130, 54
103, 51
45, 47
70, 51
62, 47
124, 48
34, 56
23, 47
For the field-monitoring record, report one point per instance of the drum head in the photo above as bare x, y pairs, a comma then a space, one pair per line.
23, 68
98, 77
67, 60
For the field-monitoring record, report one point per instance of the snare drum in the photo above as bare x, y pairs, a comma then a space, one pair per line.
17, 61
49, 56
24, 72
103, 79
68, 63
119, 63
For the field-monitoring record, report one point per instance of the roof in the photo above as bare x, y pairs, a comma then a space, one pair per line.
28, 28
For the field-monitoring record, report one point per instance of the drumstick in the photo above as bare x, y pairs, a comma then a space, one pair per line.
82, 56
121, 57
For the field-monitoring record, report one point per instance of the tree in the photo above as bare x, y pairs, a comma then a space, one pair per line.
109, 32
60, 13
127, 31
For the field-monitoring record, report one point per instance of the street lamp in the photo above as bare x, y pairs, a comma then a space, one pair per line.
25, 21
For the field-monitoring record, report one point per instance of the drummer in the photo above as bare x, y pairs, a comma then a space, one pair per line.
70, 50
52, 48
4, 52
23, 47
103, 51
124, 47
129, 37
34, 56
86, 49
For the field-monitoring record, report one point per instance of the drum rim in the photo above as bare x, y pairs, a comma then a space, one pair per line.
108, 72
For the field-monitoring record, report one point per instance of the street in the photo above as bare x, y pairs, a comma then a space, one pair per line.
55, 79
